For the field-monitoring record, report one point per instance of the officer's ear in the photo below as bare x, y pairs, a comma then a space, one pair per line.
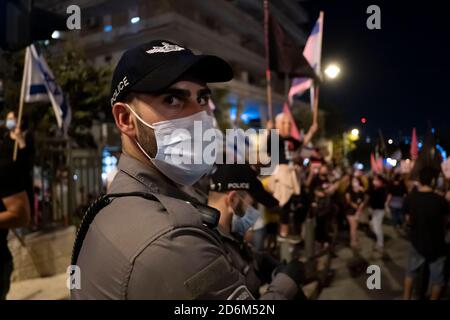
124, 120
232, 199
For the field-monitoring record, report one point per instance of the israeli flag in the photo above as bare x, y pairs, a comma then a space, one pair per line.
312, 53
40, 86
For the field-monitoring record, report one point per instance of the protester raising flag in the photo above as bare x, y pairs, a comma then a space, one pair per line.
294, 130
40, 86
312, 54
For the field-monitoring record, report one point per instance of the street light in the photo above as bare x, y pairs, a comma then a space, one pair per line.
56, 34
348, 137
332, 71
135, 20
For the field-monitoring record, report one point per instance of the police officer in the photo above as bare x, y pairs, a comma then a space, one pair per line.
234, 190
146, 239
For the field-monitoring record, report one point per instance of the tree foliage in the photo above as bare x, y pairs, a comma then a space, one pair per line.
223, 106
11, 68
86, 86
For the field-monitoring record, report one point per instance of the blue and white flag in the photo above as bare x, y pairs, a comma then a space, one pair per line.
40, 86
312, 53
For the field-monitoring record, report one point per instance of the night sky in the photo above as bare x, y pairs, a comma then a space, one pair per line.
397, 77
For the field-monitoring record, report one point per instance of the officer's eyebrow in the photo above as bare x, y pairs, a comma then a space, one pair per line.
203, 92
183, 93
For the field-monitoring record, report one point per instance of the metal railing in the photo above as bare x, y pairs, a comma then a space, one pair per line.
65, 181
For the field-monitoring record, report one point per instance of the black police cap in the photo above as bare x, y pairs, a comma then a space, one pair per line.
228, 177
156, 65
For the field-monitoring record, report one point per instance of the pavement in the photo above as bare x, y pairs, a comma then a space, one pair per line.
344, 286
47, 288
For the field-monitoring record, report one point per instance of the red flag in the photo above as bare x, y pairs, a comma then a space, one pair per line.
376, 164
380, 165
294, 130
414, 150
373, 163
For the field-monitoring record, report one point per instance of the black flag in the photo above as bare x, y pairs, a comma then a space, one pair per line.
429, 157
285, 56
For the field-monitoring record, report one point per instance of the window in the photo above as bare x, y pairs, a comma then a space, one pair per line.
107, 24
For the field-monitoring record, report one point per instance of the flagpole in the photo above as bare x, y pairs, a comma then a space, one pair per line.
316, 103
382, 144
268, 73
22, 98
316, 83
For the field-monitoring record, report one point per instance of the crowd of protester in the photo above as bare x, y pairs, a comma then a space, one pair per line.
344, 200
339, 200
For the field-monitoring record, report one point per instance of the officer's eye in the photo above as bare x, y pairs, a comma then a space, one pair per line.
173, 101
203, 100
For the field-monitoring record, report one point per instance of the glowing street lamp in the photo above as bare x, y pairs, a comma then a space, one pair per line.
135, 20
348, 137
56, 34
332, 71
354, 134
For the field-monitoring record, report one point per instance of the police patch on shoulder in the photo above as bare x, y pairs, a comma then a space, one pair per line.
241, 293
209, 279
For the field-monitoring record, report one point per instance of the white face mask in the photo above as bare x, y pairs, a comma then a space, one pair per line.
10, 124
180, 148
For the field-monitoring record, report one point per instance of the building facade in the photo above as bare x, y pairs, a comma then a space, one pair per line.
232, 30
